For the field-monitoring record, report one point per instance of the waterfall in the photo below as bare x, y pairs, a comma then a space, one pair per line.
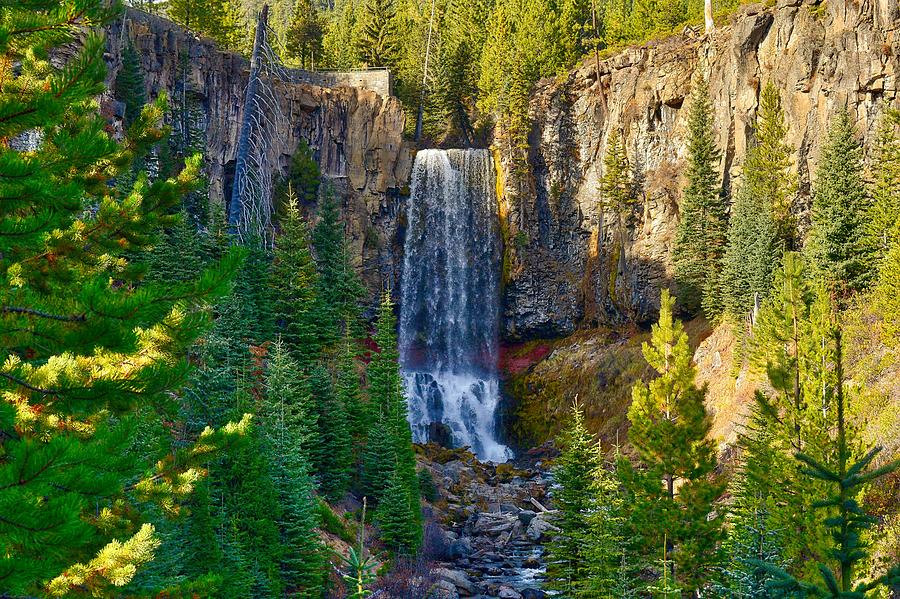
449, 307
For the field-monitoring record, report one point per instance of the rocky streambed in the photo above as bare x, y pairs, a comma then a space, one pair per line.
495, 522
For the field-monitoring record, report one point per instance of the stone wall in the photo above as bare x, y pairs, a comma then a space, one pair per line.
355, 133
563, 270
379, 81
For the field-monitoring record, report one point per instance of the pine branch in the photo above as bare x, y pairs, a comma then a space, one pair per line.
41, 314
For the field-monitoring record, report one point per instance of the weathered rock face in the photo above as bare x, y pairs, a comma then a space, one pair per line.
356, 134
567, 263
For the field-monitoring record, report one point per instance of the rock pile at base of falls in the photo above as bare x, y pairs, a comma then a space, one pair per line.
495, 522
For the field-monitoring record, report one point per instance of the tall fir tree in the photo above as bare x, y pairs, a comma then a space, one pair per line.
129, 86
756, 532
294, 280
288, 415
839, 576
835, 247
379, 40
762, 224
335, 444
703, 224
574, 472
89, 353
303, 41
399, 532
339, 289
882, 222
675, 492
768, 167
790, 346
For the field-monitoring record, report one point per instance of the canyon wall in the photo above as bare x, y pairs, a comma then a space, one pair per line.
355, 133
564, 268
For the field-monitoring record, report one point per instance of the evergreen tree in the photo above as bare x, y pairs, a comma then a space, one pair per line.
756, 533
399, 532
379, 41
669, 431
303, 179
836, 246
304, 35
882, 222
289, 418
347, 387
294, 280
89, 354
701, 235
887, 300
767, 167
846, 520
378, 460
129, 85
388, 397
335, 445
221, 20
574, 474
747, 270
339, 288
790, 345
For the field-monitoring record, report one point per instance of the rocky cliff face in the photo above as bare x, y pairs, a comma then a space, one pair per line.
356, 134
566, 265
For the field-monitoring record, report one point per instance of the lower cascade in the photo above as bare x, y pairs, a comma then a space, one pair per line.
449, 300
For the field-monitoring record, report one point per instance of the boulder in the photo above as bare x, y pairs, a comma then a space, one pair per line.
533, 594
507, 592
539, 527
458, 579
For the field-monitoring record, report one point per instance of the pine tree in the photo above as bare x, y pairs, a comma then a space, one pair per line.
304, 35
669, 432
756, 532
335, 445
762, 225
129, 85
399, 532
836, 248
747, 270
574, 474
379, 460
790, 345
379, 41
303, 180
289, 419
89, 353
221, 20
294, 280
767, 167
339, 289
882, 222
846, 520
701, 235
387, 397
347, 387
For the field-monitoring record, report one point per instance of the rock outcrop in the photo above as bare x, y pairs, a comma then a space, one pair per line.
356, 135
566, 265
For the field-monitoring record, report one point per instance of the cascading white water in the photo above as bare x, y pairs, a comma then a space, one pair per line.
449, 307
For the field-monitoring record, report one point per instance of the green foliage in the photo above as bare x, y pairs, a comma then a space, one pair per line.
303, 40
790, 344
129, 85
221, 20
843, 480
574, 473
767, 167
339, 289
669, 432
835, 246
703, 224
379, 41
757, 528
334, 453
303, 179
400, 532
90, 355
294, 280
882, 222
